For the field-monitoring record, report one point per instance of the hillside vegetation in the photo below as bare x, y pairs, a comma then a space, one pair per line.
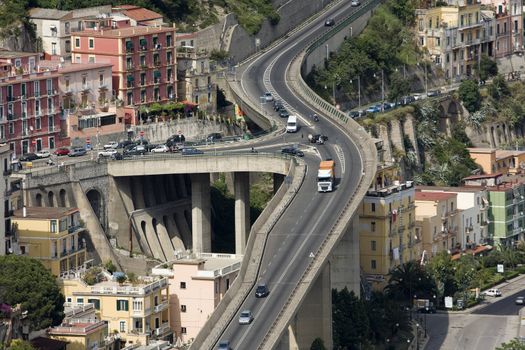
189, 15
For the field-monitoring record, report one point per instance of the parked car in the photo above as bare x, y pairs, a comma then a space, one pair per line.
292, 151
28, 157
245, 317
109, 152
77, 152
224, 345
62, 151
355, 3
124, 144
374, 109
277, 105
160, 149
43, 154
111, 145
190, 151
262, 291
520, 300
214, 136
268, 97
329, 22
283, 113
137, 150
493, 292
408, 100
433, 93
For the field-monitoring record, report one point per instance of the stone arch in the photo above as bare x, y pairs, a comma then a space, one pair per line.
96, 200
62, 198
51, 198
38, 200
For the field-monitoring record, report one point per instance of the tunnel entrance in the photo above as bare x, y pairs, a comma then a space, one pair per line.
97, 204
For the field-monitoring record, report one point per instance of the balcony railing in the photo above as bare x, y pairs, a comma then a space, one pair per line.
162, 306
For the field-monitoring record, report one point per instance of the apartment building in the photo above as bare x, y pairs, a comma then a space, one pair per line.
29, 111
135, 312
494, 161
16, 63
197, 285
194, 75
437, 220
509, 25
387, 226
54, 27
456, 36
51, 235
139, 16
506, 217
143, 59
5, 202
473, 205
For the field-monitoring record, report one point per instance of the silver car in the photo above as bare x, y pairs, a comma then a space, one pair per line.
520, 300
245, 317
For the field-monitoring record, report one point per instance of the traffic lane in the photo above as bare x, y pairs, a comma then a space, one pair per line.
505, 305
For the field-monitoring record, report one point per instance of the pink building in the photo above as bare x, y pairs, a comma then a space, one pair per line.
143, 59
13, 63
29, 105
197, 285
509, 26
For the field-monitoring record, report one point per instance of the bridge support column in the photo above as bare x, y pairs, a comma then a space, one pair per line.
345, 260
278, 180
314, 318
242, 210
201, 213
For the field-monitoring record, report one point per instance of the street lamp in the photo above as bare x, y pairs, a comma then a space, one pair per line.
417, 333
358, 90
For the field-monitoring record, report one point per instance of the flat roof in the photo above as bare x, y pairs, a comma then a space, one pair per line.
481, 150
124, 32
44, 212
78, 67
434, 196
483, 176
447, 189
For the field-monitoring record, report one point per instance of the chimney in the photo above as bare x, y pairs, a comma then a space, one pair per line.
24, 211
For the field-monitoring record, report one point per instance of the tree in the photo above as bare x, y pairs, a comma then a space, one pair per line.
350, 321
487, 68
409, 280
398, 88
26, 281
499, 88
318, 344
514, 344
110, 266
469, 94
19, 344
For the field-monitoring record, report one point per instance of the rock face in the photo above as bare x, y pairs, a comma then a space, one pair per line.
20, 38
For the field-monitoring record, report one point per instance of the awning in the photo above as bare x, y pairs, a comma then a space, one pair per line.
143, 42
129, 45
156, 74
131, 78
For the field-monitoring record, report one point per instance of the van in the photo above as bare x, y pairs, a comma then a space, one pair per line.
291, 125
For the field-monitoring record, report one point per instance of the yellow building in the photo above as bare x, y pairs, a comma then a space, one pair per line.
493, 161
437, 221
51, 235
81, 334
456, 37
136, 312
387, 220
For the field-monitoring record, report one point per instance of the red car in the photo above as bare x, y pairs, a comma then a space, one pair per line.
62, 151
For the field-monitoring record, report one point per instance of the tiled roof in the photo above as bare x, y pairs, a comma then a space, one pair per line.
434, 196
44, 212
141, 14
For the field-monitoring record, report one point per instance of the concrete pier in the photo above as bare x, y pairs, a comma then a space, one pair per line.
201, 213
242, 210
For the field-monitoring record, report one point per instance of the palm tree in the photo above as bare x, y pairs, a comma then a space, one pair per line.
408, 281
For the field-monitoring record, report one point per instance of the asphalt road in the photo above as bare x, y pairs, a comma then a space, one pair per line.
504, 305
307, 220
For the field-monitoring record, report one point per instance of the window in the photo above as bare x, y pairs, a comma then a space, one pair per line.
122, 305
51, 123
69, 299
77, 43
11, 128
183, 330
101, 80
53, 226
130, 98
142, 96
91, 43
137, 305
53, 48
373, 245
122, 327
80, 301
373, 205
373, 264
1, 112
91, 59
168, 40
95, 302
23, 89
49, 86
183, 308
183, 285
142, 79
373, 226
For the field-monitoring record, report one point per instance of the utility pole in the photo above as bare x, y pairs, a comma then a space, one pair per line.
359, 90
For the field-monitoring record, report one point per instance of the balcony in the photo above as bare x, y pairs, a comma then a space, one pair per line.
161, 307
64, 253
401, 228
74, 228
164, 329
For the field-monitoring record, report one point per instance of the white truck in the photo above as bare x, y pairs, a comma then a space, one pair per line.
291, 125
326, 176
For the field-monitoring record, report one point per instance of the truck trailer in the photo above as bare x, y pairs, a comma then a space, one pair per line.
326, 176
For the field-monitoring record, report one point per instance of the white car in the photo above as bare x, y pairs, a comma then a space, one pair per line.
43, 154
160, 149
492, 292
245, 317
111, 145
268, 97
107, 152
355, 3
